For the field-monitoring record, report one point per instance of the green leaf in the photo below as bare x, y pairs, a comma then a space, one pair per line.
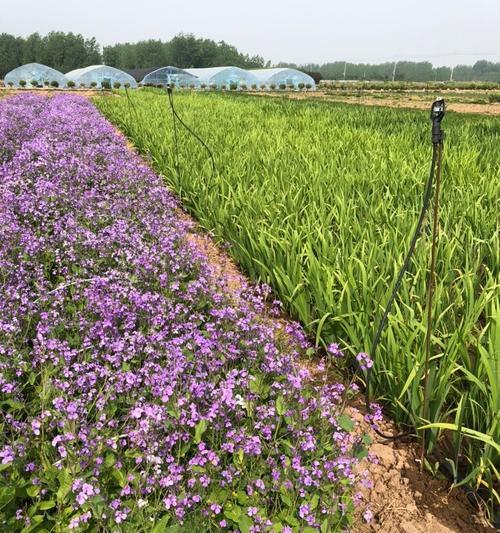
65, 481
160, 526
254, 384
119, 477
280, 405
6, 495
290, 519
314, 502
487, 439
345, 423
366, 439
109, 459
33, 491
242, 497
285, 498
48, 504
245, 523
233, 512
201, 427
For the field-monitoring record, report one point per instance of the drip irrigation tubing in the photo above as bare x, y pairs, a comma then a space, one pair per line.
175, 115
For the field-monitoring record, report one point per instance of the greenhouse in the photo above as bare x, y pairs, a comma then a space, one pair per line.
279, 77
177, 76
224, 77
34, 74
97, 75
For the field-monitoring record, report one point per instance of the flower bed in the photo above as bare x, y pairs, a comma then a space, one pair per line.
136, 394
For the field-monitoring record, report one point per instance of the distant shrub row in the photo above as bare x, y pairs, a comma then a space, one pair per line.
117, 85
234, 86
70, 85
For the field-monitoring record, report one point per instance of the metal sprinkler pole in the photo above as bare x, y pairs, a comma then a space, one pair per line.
437, 114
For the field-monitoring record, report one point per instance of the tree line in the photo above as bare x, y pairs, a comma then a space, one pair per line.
184, 51
62, 51
403, 71
68, 51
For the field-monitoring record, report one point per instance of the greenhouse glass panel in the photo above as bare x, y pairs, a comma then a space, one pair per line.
171, 75
224, 77
96, 75
284, 76
35, 74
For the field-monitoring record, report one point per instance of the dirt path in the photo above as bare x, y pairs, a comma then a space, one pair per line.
483, 109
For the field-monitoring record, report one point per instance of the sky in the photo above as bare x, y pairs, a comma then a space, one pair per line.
445, 32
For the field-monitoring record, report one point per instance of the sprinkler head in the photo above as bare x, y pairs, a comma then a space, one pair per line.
438, 109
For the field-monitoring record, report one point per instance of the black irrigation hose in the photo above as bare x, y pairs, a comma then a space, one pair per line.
130, 103
193, 133
376, 339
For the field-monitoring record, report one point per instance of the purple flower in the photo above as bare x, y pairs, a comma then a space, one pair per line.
334, 350
364, 361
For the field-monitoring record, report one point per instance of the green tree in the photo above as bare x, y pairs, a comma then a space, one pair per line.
11, 53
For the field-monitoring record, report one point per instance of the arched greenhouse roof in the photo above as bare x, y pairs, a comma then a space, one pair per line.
100, 74
35, 71
169, 74
286, 76
227, 76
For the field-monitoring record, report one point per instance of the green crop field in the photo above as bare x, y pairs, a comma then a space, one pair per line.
320, 200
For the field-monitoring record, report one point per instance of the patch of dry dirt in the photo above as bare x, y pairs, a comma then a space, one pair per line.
492, 109
405, 500
87, 93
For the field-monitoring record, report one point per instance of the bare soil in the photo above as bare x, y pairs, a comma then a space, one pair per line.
409, 101
405, 499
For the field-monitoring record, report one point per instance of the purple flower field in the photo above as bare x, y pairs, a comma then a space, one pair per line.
137, 393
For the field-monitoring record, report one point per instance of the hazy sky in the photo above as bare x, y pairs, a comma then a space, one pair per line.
445, 32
